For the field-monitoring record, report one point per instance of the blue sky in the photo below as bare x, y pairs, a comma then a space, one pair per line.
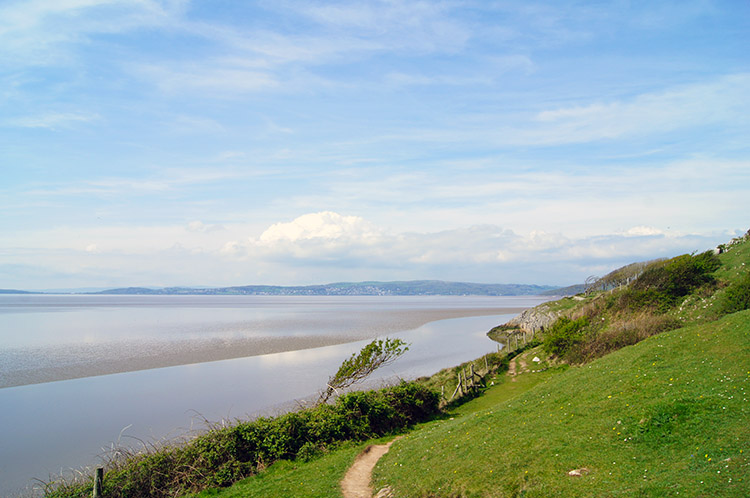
176, 142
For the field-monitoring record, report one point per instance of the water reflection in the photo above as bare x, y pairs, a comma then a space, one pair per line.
50, 427
47, 338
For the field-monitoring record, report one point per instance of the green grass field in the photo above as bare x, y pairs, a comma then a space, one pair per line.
294, 479
666, 417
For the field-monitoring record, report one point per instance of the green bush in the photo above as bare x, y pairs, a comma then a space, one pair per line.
634, 300
224, 456
678, 276
564, 334
663, 283
737, 295
627, 330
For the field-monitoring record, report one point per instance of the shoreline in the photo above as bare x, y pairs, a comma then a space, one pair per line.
108, 358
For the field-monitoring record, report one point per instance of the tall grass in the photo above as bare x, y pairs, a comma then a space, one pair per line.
624, 316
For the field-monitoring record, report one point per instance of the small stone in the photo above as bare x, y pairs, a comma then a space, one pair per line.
386, 492
579, 472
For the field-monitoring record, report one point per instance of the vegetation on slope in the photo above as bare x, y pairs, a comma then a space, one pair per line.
660, 295
666, 417
225, 455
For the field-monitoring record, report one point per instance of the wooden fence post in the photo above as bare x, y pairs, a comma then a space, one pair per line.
98, 482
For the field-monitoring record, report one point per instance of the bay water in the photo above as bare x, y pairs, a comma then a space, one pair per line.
80, 375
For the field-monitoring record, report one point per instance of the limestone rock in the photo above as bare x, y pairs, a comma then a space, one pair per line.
579, 472
386, 492
534, 319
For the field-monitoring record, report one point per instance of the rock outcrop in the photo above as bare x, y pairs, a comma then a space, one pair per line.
534, 319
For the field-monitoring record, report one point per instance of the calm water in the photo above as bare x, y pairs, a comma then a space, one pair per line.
288, 346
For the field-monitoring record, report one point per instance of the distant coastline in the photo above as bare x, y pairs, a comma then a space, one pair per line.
398, 288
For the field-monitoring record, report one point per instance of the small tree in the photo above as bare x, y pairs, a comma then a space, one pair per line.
360, 365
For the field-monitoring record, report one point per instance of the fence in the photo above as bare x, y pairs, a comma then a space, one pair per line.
469, 382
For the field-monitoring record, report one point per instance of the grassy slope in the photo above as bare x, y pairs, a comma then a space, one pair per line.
285, 479
666, 417
699, 308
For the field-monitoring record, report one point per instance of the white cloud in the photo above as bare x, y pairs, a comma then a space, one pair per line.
42, 31
260, 59
216, 77
330, 240
324, 247
721, 101
420, 26
725, 100
326, 227
199, 226
641, 231
53, 121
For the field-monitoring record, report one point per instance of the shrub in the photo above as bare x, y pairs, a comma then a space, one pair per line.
678, 276
663, 283
564, 334
223, 456
361, 365
737, 295
620, 333
636, 300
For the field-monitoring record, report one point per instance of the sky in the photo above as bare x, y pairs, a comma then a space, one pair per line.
292, 142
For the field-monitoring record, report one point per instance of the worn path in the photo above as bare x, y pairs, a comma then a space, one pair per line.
512, 370
356, 482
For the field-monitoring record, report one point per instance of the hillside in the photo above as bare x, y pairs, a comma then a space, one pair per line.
666, 416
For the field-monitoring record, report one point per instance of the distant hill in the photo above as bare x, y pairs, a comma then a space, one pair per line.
407, 288
571, 290
14, 291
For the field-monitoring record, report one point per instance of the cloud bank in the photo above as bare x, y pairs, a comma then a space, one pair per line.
326, 246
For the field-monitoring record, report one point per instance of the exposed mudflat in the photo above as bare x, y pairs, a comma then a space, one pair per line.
23, 366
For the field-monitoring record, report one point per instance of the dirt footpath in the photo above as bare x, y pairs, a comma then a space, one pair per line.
356, 482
